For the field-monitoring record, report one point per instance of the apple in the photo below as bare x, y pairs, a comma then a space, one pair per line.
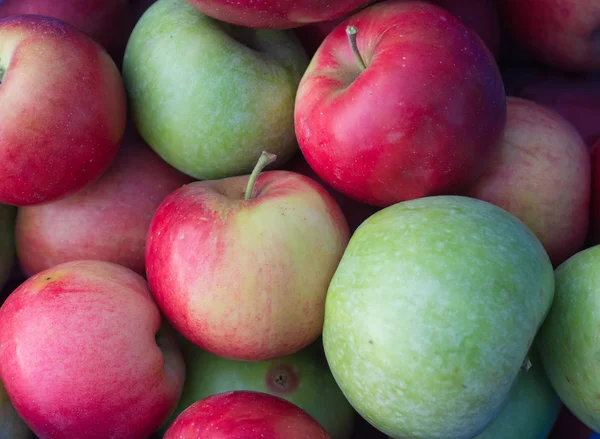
562, 33
107, 221
354, 211
244, 414
302, 378
439, 100
577, 99
64, 131
82, 354
282, 14
7, 242
568, 338
207, 96
431, 313
541, 174
240, 266
532, 407
594, 232
11, 425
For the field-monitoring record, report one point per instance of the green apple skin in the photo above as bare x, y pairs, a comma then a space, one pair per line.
7, 241
568, 339
206, 102
11, 424
303, 379
431, 313
532, 407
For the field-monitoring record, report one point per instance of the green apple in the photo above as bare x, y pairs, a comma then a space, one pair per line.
302, 378
532, 407
7, 241
431, 313
568, 339
11, 424
208, 96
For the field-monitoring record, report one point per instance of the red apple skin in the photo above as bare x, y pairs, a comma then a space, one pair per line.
245, 415
594, 232
541, 174
439, 100
78, 354
562, 33
281, 14
64, 131
107, 221
246, 280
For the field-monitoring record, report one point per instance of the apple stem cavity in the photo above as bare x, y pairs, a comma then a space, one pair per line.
351, 31
264, 160
526, 364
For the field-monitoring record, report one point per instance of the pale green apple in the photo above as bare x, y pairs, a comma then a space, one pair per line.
532, 407
302, 378
11, 424
208, 96
7, 241
569, 338
431, 313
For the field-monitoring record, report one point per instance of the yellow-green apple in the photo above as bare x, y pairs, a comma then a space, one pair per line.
207, 96
109, 23
302, 378
83, 356
541, 174
11, 424
245, 414
561, 33
594, 232
568, 338
431, 313
240, 266
106, 221
281, 14
7, 242
62, 106
532, 407
401, 101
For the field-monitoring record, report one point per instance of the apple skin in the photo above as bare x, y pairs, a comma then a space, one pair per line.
282, 14
303, 379
78, 354
245, 414
74, 110
566, 34
202, 99
567, 339
594, 232
431, 314
246, 280
541, 174
440, 102
532, 407
107, 221
7, 242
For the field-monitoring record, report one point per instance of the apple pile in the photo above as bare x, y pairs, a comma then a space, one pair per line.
299, 219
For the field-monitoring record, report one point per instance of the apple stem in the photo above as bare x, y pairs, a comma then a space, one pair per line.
526, 364
351, 31
264, 160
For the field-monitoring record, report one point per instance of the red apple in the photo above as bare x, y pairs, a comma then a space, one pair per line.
541, 174
356, 213
82, 355
62, 107
424, 116
562, 33
577, 99
241, 266
594, 233
247, 415
107, 221
280, 14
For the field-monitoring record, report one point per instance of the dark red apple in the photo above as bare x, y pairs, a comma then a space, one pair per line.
561, 33
423, 115
247, 415
280, 14
107, 221
594, 233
